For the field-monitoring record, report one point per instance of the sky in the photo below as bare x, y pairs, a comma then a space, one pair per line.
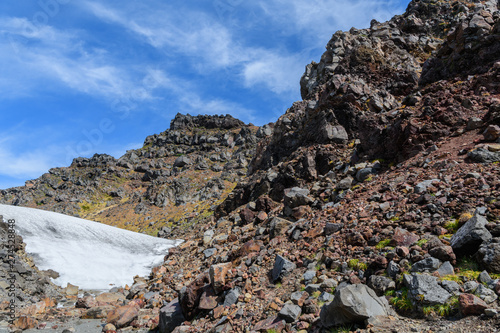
79, 77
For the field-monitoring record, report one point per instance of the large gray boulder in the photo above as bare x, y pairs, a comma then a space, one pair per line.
182, 161
170, 317
353, 304
425, 289
468, 239
489, 255
281, 268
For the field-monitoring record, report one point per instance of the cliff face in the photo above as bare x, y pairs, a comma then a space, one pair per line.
370, 82
177, 175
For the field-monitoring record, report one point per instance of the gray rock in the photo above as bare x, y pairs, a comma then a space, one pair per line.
290, 312
489, 255
325, 297
486, 294
484, 277
446, 269
311, 288
451, 286
331, 228
182, 161
482, 155
470, 287
232, 297
490, 312
425, 289
470, 236
336, 134
422, 186
170, 317
264, 131
345, 183
363, 174
353, 304
209, 252
393, 269
296, 196
308, 276
474, 123
281, 268
329, 284
428, 265
278, 226
296, 296
380, 284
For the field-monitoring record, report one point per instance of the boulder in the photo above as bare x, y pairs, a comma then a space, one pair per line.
336, 134
428, 265
290, 312
489, 255
353, 304
443, 253
232, 297
295, 197
182, 161
170, 317
425, 289
467, 240
403, 237
491, 133
380, 284
278, 226
123, 315
483, 155
281, 268
471, 305
189, 296
218, 275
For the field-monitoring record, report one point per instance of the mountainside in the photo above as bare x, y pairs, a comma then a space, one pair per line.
370, 205
177, 175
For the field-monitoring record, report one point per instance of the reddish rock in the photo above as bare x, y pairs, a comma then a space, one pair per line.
402, 251
248, 247
262, 216
444, 253
189, 296
272, 323
247, 215
378, 263
301, 212
218, 275
471, 305
403, 237
122, 316
491, 133
25, 323
208, 299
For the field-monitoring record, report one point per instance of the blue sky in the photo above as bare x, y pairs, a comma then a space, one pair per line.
81, 77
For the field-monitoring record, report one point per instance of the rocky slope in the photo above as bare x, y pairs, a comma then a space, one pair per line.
371, 205
177, 175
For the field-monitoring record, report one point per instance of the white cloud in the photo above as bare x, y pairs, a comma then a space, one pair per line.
319, 19
209, 46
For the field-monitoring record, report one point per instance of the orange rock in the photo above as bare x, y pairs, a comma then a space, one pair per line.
122, 316
109, 298
25, 323
218, 276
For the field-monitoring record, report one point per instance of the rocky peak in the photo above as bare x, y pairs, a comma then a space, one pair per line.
187, 121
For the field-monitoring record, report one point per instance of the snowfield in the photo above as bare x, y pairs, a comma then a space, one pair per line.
88, 254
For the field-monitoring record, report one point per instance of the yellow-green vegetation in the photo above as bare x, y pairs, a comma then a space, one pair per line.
442, 310
341, 329
271, 330
357, 265
452, 226
316, 294
421, 242
464, 217
401, 301
383, 243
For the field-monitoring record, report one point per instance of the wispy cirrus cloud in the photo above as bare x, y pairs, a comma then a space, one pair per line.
209, 46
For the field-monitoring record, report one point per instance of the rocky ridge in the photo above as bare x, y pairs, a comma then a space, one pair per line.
371, 205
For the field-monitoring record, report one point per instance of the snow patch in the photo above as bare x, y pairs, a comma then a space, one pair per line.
88, 254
